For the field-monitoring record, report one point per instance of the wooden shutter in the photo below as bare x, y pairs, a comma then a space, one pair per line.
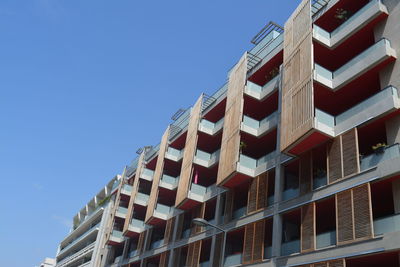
218, 249
233, 116
140, 245
335, 160
354, 214
158, 172
189, 153
362, 212
180, 219
337, 263
248, 244
308, 227
252, 196
305, 173
320, 264
198, 212
253, 249
164, 259
229, 195
169, 229
262, 191
351, 161
193, 256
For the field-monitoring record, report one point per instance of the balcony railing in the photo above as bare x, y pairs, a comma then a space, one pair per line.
126, 189
116, 236
206, 159
387, 224
174, 154
233, 260
157, 243
91, 230
147, 174
290, 193
240, 212
76, 255
290, 247
137, 226
260, 92
169, 182
374, 159
121, 212
326, 239
209, 127
141, 199
324, 122
254, 167
163, 212
258, 128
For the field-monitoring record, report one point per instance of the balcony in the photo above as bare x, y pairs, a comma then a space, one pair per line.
233, 260
136, 226
260, 92
163, 212
126, 189
378, 53
174, 154
77, 255
253, 167
364, 16
374, 159
387, 224
324, 122
92, 232
157, 244
116, 237
206, 159
169, 182
121, 212
141, 199
290, 247
259, 128
209, 127
239, 213
326, 239
290, 193
147, 174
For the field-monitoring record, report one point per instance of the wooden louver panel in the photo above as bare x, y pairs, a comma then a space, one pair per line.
320, 264
252, 196
257, 193
158, 172
169, 229
218, 249
189, 152
164, 259
344, 217
233, 116
308, 227
229, 195
305, 173
253, 250
335, 160
140, 245
193, 255
362, 212
134, 191
351, 163
337, 263
248, 244
297, 117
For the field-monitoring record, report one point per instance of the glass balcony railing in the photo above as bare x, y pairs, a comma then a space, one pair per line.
248, 164
157, 244
147, 174
387, 224
141, 199
117, 234
163, 209
174, 154
267, 252
127, 188
326, 239
186, 233
290, 193
374, 159
233, 260
290, 247
320, 181
206, 159
122, 210
324, 122
259, 92
240, 212
170, 180
198, 189
210, 127
267, 45
206, 263
137, 223
80, 238
133, 253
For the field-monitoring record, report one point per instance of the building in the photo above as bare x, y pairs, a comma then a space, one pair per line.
48, 262
85, 244
295, 159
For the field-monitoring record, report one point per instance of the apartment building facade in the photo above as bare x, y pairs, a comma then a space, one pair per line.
295, 161
85, 244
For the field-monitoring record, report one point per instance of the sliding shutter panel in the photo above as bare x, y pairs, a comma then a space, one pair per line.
305, 173
344, 213
335, 160
248, 243
258, 245
362, 212
308, 227
262, 191
351, 163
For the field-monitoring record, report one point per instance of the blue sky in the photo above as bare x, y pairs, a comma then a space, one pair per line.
85, 83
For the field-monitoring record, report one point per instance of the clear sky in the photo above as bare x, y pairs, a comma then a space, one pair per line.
85, 83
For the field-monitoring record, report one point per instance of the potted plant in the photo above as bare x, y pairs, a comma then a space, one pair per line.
242, 146
273, 73
379, 148
342, 14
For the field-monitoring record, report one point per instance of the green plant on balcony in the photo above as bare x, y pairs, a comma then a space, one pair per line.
379, 148
273, 73
242, 146
104, 201
342, 14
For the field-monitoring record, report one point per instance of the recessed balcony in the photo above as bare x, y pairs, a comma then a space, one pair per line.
379, 53
126, 189
135, 227
116, 238
253, 167
169, 182
121, 212
206, 159
141, 199
369, 13
163, 212
147, 174
174, 154
259, 128
211, 128
260, 92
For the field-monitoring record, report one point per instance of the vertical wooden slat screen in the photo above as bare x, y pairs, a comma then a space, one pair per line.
354, 214
180, 218
189, 255
134, 191
189, 152
337, 263
198, 212
308, 227
362, 209
218, 249
248, 243
158, 172
193, 256
320, 264
233, 116
306, 173
253, 247
140, 245
169, 229
164, 259
257, 193
351, 162
229, 195
297, 117
343, 156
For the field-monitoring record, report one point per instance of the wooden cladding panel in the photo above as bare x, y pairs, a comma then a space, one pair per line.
158, 172
362, 212
344, 217
320, 264
297, 90
354, 214
189, 153
218, 249
337, 263
306, 173
229, 195
248, 244
308, 228
351, 162
193, 255
169, 229
179, 218
164, 259
140, 245
253, 248
257, 193
233, 117
134, 191
343, 156
198, 212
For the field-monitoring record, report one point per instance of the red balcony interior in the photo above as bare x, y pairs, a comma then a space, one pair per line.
179, 143
382, 198
216, 113
258, 147
263, 74
208, 143
152, 164
381, 259
258, 110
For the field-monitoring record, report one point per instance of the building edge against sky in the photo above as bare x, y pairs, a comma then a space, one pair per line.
296, 158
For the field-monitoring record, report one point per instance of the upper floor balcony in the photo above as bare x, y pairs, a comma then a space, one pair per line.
141, 199
126, 190
169, 182
205, 159
135, 227
259, 128
163, 212
121, 212
211, 128
147, 174
174, 154
90, 234
115, 238
261, 92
